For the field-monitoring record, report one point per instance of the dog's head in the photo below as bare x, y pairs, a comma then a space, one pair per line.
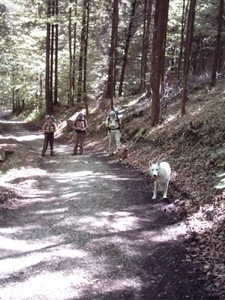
154, 169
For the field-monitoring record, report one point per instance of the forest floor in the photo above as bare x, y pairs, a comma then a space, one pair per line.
85, 227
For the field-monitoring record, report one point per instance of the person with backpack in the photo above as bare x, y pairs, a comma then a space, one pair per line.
80, 125
114, 125
49, 129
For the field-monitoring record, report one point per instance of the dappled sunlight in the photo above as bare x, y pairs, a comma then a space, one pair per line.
19, 246
199, 223
88, 175
114, 224
29, 138
80, 275
79, 175
24, 138
53, 285
108, 285
63, 149
168, 234
46, 280
76, 226
171, 118
22, 173
52, 211
13, 122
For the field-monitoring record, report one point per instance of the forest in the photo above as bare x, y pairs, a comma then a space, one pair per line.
159, 62
80, 52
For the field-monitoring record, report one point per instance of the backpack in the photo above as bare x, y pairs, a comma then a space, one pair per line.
117, 120
117, 116
83, 120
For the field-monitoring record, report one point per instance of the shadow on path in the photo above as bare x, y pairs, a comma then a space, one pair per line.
83, 227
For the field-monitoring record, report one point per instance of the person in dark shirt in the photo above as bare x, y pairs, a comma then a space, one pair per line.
49, 129
80, 125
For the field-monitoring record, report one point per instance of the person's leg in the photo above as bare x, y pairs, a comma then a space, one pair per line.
117, 138
51, 141
76, 141
45, 145
81, 141
111, 139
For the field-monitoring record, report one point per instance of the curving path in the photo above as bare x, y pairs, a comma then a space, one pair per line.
85, 228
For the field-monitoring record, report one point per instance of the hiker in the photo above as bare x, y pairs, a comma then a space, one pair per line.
80, 125
113, 123
49, 128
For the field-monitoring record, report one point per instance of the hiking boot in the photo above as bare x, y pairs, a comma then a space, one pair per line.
74, 153
42, 154
52, 153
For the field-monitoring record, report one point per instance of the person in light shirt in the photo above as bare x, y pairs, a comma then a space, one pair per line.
113, 123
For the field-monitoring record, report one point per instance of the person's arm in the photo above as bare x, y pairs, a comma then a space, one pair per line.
44, 127
74, 125
120, 125
85, 125
107, 123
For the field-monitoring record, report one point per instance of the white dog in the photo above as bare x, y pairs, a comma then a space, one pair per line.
161, 174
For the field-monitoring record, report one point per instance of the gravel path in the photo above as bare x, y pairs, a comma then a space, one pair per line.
83, 227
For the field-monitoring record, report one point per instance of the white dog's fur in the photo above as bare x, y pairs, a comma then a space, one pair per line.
161, 175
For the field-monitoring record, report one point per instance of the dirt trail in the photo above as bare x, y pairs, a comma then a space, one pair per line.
85, 228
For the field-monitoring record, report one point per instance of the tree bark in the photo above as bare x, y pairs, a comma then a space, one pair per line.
82, 54
48, 99
158, 57
183, 23
55, 101
110, 93
129, 34
217, 48
145, 44
187, 56
85, 98
51, 85
72, 47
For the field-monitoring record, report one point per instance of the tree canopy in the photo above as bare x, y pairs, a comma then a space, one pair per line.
81, 59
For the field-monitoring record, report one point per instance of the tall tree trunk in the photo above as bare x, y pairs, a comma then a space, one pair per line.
158, 57
217, 48
129, 34
187, 56
74, 47
48, 99
72, 50
82, 54
40, 98
52, 63
112, 55
183, 23
145, 44
55, 101
51, 57
85, 98
70, 95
